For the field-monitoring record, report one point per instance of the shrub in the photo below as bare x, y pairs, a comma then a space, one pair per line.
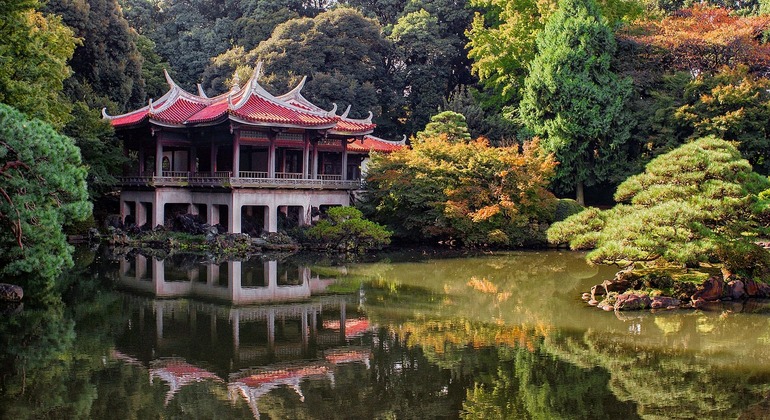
345, 230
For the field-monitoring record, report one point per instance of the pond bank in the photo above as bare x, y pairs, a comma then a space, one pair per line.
633, 290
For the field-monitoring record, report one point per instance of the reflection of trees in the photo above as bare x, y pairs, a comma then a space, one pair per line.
673, 381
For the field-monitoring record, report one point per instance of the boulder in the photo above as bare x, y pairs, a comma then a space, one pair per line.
631, 301
756, 289
736, 289
11, 293
586, 297
619, 285
711, 290
664, 302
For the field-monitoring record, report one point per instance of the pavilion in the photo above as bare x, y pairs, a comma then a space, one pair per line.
242, 158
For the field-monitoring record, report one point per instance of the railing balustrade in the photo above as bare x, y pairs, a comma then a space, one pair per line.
247, 179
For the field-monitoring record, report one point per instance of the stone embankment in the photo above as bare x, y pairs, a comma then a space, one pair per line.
628, 291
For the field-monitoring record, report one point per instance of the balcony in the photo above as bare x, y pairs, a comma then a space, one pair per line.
247, 179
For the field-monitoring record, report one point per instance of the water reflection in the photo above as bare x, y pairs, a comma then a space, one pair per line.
236, 282
499, 336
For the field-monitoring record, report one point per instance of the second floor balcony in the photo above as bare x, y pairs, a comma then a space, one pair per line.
244, 179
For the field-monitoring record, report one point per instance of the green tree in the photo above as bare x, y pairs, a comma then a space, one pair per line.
42, 187
503, 39
574, 99
107, 67
449, 123
344, 229
695, 204
423, 67
34, 50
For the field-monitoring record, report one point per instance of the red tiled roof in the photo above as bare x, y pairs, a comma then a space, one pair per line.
252, 104
349, 126
261, 110
129, 119
371, 143
210, 113
179, 111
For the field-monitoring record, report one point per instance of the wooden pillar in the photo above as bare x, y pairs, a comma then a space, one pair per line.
193, 160
271, 157
315, 160
214, 150
237, 154
158, 156
306, 158
141, 161
344, 159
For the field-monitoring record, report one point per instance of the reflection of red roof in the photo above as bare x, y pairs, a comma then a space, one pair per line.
371, 143
347, 356
353, 327
282, 375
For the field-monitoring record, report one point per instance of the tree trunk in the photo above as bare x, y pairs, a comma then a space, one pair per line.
579, 197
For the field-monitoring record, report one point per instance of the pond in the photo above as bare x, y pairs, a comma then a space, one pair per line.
411, 335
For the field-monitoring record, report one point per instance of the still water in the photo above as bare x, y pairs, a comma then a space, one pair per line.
409, 336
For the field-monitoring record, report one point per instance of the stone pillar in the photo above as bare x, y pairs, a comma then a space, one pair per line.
271, 330
141, 213
192, 209
158, 208
272, 219
159, 322
212, 216
235, 215
125, 210
343, 319
141, 267
266, 219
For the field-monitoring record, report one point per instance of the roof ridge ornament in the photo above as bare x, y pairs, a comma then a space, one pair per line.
169, 80
403, 140
236, 83
104, 114
298, 88
347, 111
333, 112
149, 104
369, 118
201, 92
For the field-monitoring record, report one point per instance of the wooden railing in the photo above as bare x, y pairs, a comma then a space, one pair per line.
247, 179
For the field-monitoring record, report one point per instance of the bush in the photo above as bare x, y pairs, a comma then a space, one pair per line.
565, 208
345, 230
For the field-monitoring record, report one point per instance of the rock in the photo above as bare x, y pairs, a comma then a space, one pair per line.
684, 290
711, 290
619, 285
756, 289
593, 302
11, 293
736, 289
597, 290
631, 301
664, 302
586, 297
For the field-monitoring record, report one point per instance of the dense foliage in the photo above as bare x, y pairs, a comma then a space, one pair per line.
697, 203
42, 187
574, 99
447, 189
343, 229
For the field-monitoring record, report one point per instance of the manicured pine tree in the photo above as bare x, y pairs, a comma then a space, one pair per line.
574, 100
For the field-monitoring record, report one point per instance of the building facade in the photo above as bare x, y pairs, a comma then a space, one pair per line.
247, 160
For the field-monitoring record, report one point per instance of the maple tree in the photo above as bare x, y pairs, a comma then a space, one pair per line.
463, 190
704, 39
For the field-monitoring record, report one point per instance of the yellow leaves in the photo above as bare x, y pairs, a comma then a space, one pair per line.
482, 285
485, 213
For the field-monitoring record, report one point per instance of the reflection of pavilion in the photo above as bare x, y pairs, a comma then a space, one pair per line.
233, 281
291, 342
252, 384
